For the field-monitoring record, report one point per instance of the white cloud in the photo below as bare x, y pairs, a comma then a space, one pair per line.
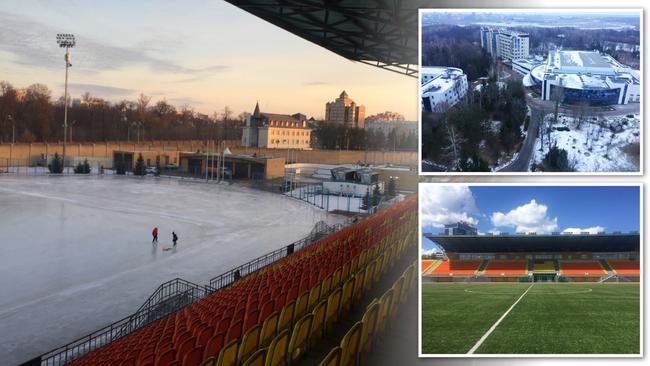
430, 251
531, 217
590, 230
443, 204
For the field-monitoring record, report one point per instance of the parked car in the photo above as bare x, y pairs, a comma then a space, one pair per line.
152, 170
171, 166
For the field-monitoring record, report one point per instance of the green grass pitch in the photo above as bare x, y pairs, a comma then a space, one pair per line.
550, 319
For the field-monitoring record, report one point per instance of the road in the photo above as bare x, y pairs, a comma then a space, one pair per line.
538, 108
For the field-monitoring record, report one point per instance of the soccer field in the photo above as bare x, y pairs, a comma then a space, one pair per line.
548, 319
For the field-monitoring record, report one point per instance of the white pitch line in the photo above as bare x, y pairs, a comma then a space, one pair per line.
495, 325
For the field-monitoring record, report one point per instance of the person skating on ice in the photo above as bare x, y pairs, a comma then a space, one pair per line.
154, 233
174, 238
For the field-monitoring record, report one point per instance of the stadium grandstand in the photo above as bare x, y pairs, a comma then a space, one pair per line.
603, 257
279, 313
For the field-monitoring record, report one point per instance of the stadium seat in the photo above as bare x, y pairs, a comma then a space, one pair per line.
277, 352
385, 303
213, 347
350, 345
228, 354
301, 306
318, 322
456, 267
269, 329
256, 359
543, 266
623, 267
333, 307
286, 317
347, 296
210, 361
581, 268
326, 287
314, 296
333, 358
194, 357
249, 343
369, 322
166, 358
299, 342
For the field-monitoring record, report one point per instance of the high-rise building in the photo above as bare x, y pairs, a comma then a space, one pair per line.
442, 88
345, 111
505, 44
272, 130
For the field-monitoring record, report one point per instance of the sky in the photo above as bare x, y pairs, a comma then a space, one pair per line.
205, 53
540, 209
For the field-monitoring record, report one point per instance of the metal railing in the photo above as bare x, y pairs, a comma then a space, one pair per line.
168, 297
172, 296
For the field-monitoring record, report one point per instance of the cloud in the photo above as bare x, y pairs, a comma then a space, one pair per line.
33, 44
430, 251
531, 217
446, 205
102, 91
590, 230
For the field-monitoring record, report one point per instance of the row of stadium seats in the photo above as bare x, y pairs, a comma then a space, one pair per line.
625, 267
506, 267
362, 337
270, 316
520, 267
426, 264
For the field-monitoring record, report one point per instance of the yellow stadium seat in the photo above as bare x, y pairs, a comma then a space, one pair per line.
362, 258
350, 345
397, 293
286, 316
277, 351
333, 358
301, 306
385, 303
358, 285
347, 296
406, 286
228, 354
210, 361
379, 262
249, 343
314, 296
369, 276
336, 278
256, 359
345, 272
354, 265
369, 322
318, 323
333, 307
269, 329
326, 288
299, 342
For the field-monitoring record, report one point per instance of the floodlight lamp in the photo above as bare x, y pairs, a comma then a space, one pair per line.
65, 40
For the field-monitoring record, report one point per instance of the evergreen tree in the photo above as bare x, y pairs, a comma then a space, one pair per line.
86, 166
391, 187
139, 166
56, 166
376, 195
556, 160
365, 203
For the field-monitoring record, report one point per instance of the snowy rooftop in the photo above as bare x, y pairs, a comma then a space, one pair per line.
439, 79
585, 70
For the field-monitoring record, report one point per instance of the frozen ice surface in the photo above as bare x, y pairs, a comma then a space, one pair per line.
77, 252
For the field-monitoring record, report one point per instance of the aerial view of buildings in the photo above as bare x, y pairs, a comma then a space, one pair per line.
520, 91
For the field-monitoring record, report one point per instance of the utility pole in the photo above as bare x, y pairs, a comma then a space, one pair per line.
66, 41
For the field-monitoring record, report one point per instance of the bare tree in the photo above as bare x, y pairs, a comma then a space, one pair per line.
226, 114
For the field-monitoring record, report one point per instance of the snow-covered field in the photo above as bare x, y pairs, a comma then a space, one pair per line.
77, 252
598, 146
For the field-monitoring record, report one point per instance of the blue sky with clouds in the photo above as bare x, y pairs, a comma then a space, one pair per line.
206, 53
540, 209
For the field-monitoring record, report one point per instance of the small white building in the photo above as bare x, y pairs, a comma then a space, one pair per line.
442, 88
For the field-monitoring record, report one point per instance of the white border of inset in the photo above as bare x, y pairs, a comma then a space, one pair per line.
568, 355
529, 10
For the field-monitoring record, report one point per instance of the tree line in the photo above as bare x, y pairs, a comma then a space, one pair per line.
31, 115
336, 136
477, 134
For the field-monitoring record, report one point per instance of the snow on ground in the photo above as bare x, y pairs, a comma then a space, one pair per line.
598, 146
77, 252
329, 202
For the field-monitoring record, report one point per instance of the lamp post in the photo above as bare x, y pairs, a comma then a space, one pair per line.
67, 41
72, 125
13, 139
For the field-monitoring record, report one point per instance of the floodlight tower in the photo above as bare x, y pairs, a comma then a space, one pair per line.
67, 41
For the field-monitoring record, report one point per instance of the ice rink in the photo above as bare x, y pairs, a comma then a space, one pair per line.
77, 252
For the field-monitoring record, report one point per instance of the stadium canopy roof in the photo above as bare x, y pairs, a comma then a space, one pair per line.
537, 243
381, 33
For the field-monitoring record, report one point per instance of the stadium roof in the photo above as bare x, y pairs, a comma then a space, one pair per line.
381, 33
538, 243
